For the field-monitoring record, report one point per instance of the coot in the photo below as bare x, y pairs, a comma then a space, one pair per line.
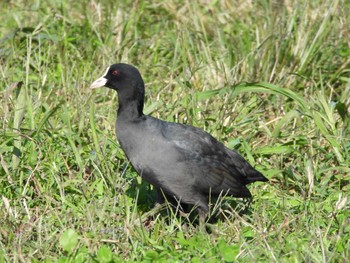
180, 161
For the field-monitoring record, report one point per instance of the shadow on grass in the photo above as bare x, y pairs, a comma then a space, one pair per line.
221, 208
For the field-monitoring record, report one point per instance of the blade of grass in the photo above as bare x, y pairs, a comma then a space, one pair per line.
20, 109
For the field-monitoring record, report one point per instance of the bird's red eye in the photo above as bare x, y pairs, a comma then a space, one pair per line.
115, 72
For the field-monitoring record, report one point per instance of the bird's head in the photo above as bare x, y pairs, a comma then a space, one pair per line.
119, 77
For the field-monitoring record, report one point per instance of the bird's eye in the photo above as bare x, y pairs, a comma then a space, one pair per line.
115, 72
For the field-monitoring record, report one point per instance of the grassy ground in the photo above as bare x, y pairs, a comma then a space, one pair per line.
268, 78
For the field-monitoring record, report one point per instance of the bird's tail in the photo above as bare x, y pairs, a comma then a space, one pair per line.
256, 176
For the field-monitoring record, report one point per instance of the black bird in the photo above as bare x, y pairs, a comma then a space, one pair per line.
180, 161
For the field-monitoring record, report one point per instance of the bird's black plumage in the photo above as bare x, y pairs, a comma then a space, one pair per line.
182, 161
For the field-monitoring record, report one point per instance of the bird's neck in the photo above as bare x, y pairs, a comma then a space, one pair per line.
130, 105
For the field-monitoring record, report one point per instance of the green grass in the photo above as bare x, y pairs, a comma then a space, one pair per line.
268, 78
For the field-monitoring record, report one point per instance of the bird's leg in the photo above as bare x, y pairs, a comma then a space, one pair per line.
160, 196
202, 214
204, 221
159, 206
155, 210
160, 203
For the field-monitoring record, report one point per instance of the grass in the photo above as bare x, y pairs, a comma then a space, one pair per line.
268, 78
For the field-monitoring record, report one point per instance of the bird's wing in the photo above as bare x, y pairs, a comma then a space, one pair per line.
218, 167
